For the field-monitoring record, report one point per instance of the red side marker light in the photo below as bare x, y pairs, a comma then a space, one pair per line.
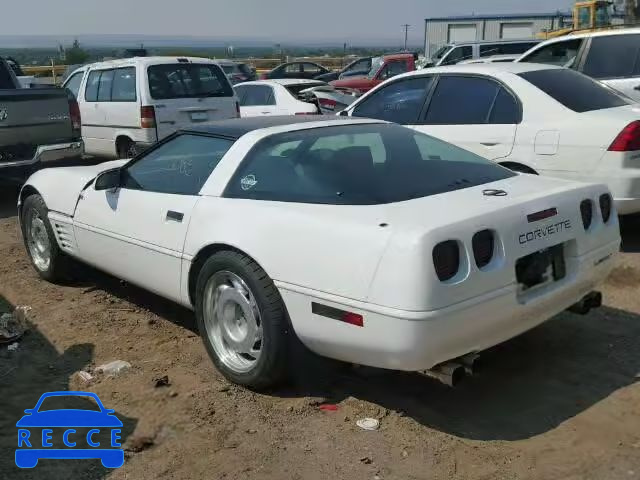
353, 319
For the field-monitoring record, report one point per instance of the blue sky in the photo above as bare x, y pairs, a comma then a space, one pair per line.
279, 20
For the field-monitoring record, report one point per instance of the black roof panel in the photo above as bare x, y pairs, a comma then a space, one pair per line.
236, 127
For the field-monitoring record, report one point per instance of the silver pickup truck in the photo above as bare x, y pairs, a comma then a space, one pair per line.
37, 125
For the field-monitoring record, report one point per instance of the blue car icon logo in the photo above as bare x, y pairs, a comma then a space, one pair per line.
80, 433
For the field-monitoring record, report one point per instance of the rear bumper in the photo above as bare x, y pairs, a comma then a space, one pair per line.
408, 340
49, 153
625, 188
618, 173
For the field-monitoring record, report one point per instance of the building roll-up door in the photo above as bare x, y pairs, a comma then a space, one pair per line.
462, 32
510, 31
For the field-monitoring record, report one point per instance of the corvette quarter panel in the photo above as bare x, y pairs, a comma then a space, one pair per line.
328, 248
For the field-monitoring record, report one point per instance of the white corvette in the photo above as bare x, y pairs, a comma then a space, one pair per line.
371, 242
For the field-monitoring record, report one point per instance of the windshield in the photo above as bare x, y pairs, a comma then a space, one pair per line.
187, 80
376, 63
357, 165
441, 52
228, 69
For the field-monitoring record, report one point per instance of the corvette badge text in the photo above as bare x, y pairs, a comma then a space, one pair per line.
89, 432
544, 232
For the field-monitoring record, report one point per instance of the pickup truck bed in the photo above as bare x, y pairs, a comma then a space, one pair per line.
36, 126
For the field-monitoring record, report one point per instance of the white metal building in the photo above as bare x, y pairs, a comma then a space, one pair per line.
443, 30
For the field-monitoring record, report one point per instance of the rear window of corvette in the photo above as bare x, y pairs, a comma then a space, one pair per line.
357, 165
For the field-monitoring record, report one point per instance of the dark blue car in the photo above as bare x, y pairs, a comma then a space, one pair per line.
32, 447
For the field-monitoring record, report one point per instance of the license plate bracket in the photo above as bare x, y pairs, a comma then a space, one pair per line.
541, 267
199, 116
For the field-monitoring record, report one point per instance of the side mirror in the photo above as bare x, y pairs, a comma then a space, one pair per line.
343, 113
109, 180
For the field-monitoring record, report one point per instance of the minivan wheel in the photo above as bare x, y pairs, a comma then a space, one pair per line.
242, 320
126, 148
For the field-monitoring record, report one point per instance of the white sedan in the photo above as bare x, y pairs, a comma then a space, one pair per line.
531, 118
275, 97
371, 242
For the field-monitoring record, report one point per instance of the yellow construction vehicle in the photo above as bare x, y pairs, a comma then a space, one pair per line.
588, 16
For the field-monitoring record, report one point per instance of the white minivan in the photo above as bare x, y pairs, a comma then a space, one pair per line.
128, 105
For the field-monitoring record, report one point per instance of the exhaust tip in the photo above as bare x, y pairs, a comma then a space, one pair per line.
457, 375
589, 301
471, 363
451, 374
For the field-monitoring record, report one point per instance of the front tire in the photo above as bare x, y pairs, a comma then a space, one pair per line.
40, 241
242, 320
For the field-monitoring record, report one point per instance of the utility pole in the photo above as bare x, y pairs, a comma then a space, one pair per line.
406, 34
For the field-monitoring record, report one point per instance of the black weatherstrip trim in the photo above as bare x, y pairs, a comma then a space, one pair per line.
326, 311
111, 126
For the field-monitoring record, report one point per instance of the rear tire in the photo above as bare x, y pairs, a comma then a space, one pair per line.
242, 320
126, 148
40, 241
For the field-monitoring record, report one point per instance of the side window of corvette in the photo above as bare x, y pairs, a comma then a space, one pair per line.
181, 166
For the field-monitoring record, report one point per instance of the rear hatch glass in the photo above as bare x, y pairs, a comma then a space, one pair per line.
187, 80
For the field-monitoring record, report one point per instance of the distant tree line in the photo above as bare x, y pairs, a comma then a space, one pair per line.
79, 54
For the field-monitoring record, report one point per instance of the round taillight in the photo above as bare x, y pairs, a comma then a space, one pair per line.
605, 206
586, 211
483, 246
446, 259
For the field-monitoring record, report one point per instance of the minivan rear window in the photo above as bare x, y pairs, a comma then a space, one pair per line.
574, 90
615, 56
187, 80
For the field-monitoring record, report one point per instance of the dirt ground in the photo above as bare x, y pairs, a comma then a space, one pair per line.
560, 402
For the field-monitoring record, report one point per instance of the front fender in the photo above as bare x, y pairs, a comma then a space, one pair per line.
60, 187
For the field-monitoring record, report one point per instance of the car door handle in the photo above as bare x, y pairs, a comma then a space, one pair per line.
637, 87
175, 216
489, 144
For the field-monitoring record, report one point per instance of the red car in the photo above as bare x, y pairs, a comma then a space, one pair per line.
382, 68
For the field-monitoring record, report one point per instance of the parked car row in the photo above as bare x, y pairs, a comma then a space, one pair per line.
530, 118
